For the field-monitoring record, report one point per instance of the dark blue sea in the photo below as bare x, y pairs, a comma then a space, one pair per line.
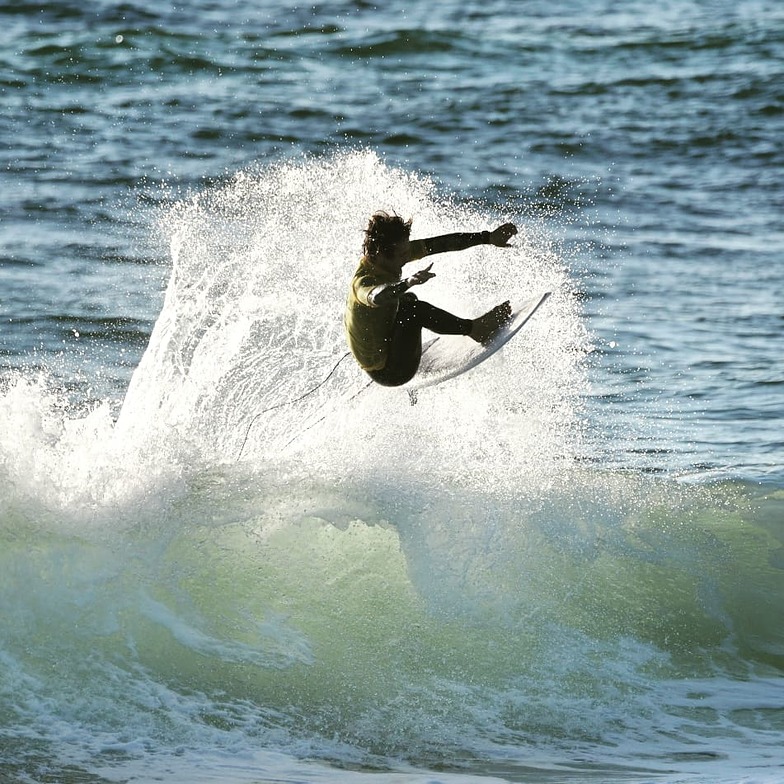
223, 559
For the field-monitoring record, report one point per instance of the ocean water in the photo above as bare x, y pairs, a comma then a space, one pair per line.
224, 559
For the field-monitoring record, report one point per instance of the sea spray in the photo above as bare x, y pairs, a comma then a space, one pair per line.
251, 327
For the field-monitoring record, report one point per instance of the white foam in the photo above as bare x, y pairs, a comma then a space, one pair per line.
253, 319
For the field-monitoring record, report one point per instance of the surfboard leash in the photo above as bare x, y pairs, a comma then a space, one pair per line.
289, 402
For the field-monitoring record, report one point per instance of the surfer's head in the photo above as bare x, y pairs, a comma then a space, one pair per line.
384, 232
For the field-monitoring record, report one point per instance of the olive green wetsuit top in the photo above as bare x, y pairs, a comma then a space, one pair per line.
370, 325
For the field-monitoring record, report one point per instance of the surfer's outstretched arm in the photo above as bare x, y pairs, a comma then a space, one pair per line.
461, 241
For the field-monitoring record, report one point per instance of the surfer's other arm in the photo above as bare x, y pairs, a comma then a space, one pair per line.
385, 293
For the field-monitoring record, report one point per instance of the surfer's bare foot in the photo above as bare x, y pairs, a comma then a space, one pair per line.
485, 327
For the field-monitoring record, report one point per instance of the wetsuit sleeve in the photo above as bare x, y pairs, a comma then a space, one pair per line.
369, 291
448, 242
387, 292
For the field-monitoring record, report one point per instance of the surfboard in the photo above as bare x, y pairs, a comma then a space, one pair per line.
448, 356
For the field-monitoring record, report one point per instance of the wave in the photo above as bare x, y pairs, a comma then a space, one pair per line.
615, 620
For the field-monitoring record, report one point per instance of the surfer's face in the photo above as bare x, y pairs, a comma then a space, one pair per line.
395, 256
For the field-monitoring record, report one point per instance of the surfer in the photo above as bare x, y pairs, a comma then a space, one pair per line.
384, 320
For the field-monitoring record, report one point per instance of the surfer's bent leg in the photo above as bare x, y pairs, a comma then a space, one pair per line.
405, 345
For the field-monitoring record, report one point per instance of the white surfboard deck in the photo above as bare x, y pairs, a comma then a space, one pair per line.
448, 356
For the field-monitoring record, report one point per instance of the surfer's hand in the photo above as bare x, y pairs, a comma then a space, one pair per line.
500, 236
421, 277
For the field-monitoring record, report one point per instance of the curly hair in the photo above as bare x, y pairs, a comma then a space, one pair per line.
383, 232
